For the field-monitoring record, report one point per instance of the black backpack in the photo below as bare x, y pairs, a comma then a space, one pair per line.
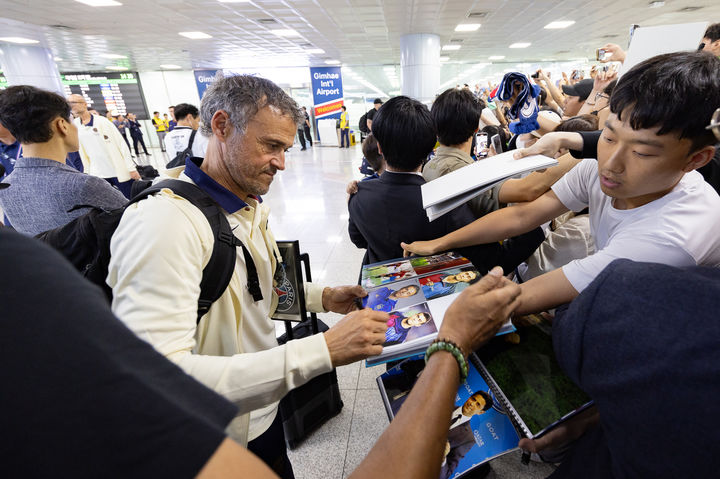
85, 242
362, 124
180, 158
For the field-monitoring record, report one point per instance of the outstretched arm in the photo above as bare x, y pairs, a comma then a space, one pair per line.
496, 226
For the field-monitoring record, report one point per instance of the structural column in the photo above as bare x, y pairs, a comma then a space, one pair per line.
420, 66
27, 65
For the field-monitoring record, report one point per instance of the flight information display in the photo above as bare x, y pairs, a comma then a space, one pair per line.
118, 93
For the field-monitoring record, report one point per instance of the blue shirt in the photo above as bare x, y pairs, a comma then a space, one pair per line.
379, 300
9, 154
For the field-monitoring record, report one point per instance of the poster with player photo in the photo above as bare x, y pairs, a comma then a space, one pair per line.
288, 284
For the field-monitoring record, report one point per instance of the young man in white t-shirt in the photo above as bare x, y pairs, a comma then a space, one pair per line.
646, 201
177, 140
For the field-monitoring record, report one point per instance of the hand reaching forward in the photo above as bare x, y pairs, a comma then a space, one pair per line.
420, 248
357, 336
477, 314
341, 299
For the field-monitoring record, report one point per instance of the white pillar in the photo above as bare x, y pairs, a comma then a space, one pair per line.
420, 66
26, 65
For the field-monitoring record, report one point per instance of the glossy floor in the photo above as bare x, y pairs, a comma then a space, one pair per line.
309, 204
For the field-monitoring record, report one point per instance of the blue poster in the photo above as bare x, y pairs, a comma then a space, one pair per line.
327, 91
203, 79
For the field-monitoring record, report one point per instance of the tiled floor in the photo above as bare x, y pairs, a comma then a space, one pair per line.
308, 203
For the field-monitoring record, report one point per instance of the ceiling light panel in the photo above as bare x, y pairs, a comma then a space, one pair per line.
559, 24
20, 40
520, 45
451, 47
195, 35
285, 32
467, 27
100, 3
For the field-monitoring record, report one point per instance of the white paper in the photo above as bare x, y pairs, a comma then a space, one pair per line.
478, 175
648, 42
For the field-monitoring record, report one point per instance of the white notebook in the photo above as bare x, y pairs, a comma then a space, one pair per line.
450, 191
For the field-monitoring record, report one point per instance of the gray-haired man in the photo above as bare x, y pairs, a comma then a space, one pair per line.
163, 243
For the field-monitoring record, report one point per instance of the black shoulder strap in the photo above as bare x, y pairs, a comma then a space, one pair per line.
190, 142
219, 270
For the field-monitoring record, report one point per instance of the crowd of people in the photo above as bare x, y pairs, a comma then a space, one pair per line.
158, 379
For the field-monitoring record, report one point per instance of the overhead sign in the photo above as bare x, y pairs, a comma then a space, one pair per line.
327, 91
203, 79
118, 93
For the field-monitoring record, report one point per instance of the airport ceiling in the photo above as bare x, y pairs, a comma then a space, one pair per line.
358, 33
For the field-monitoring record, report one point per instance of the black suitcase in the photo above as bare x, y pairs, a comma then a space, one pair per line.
308, 407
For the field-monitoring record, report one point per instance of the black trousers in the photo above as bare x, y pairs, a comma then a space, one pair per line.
270, 448
301, 137
124, 135
308, 135
137, 139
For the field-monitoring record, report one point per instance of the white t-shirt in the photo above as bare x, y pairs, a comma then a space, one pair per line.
177, 140
680, 229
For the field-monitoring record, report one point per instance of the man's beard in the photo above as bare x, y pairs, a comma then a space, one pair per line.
244, 174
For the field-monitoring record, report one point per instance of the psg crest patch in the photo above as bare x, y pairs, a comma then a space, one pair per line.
284, 289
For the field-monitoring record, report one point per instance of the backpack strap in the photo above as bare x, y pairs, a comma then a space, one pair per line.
190, 142
219, 270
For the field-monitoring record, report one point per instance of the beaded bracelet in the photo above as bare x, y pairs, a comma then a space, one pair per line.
451, 347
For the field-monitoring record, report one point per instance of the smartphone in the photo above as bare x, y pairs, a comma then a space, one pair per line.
600, 54
535, 75
497, 144
480, 145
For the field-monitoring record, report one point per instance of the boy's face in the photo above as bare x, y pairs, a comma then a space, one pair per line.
639, 166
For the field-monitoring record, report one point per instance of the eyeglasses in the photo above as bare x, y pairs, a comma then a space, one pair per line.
601, 95
714, 125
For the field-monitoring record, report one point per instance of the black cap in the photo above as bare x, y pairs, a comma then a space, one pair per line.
581, 89
377, 101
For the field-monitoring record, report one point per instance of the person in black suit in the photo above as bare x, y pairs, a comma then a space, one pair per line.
388, 211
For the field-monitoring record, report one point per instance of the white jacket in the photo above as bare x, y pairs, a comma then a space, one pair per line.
103, 151
158, 253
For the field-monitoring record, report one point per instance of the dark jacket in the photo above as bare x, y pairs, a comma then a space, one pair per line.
388, 210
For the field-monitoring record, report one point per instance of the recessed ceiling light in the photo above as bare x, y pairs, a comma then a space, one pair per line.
332, 62
112, 56
100, 3
116, 67
285, 32
171, 67
520, 45
496, 57
444, 59
18, 40
467, 27
195, 35
315, 51
451, 47
559, 24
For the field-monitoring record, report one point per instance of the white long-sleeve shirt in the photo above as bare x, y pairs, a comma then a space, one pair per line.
103, 151
158, 253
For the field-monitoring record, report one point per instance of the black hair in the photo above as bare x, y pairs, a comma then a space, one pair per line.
404, 129
156, 113
27, 111
343, 107
182, 110
713, 32
579, 123
456, 114
542, 99
371, 153
493, 130
676, 92
610, 87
